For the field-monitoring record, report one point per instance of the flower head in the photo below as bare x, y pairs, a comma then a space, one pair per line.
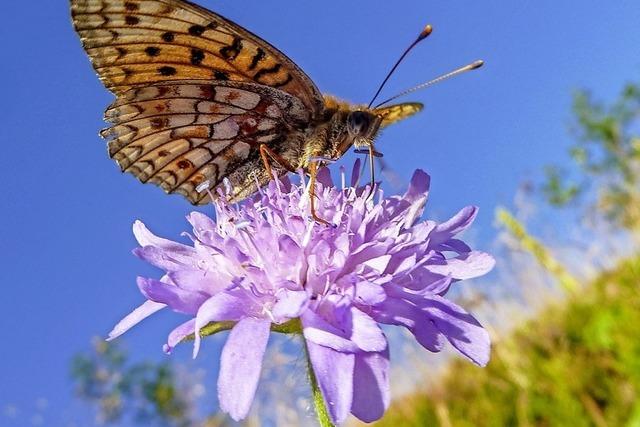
266, 264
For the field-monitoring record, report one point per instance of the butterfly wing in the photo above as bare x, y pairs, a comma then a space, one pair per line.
141, 42
196, 94
397, 112
179, 135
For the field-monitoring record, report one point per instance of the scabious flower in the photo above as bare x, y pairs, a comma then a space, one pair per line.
266, 265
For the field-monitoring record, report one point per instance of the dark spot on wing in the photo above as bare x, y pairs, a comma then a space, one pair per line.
159, 122
185, 164
232, 52
259, 56
131, 20
168, 37
196, 30
266, 71
167, 71
208, 92
152, 51
284, 82
197, 56
221, 75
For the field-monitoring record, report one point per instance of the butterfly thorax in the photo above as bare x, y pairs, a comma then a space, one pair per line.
342, 125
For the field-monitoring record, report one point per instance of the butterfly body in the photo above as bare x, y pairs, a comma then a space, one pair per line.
200, 99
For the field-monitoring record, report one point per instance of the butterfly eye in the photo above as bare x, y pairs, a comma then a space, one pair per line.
358, 123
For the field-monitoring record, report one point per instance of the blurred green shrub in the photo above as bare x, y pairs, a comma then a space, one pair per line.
607, 154
146, 393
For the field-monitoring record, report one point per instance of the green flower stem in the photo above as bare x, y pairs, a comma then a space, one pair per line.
318, 400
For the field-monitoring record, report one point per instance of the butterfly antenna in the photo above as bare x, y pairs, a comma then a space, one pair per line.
423, 35
473, 66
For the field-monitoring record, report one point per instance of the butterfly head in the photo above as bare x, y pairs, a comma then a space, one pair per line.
356, 128
362, 127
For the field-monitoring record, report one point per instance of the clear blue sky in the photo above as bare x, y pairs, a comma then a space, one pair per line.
67, 272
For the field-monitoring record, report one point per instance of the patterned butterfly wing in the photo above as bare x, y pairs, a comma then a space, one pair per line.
397, 112
180, 134
197, 94
141, 42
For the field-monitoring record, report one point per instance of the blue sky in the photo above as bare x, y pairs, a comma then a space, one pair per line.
67, 270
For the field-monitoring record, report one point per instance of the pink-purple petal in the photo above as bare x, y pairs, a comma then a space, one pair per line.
290, 304
418, 186
178, 334
181, 300
457, 224
136, 316
222, 307
240, 366
368, 293
334, 373
403, 313
466, 266
319, 331
462, 330
371, 389
147, 238
366, 333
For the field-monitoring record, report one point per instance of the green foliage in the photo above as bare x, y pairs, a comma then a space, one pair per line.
607, 153
146, 392
576, 364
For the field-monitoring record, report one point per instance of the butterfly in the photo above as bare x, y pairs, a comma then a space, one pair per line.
201, 101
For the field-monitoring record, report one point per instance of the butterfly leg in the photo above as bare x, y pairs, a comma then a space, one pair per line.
266, 153
313, 172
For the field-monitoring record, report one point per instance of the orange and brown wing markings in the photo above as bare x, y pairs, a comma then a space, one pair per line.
179, 134
147, 41
171, 109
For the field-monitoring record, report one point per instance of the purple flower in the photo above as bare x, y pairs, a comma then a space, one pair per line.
267, 264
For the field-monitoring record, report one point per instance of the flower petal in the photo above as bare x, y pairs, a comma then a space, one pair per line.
368, 293
418, 187
181, 300
225, 306
319, 331
366, 333
457, 224
147, 238
290, 304
398, 312
240, 366
371, 390
378, 264
210, 282
178, 334
324, 177
461, 329
136, 316
355, 173
334, 373
165, 259
466, 266
203, 226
